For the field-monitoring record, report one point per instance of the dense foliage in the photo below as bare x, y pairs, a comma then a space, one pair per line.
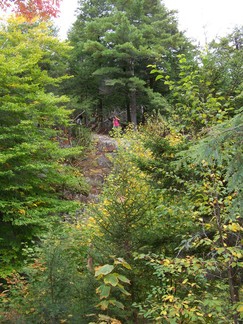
32, 171
113, 44
163, 241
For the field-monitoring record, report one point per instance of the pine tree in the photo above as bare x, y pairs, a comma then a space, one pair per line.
32, 172
115, 42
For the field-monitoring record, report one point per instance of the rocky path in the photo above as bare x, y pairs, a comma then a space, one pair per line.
97, 165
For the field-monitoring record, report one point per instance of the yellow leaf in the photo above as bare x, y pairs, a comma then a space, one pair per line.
169, 298
235, 227
166, 262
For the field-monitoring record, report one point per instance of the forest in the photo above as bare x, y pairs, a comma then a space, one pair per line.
140, 223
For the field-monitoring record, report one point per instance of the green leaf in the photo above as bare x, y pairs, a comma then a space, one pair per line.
118, 304
123, 263
240, 308
154, 71
124, 291
159, 77
103, 291
123, 279
111, 279
103, 304
104, 270
152, 66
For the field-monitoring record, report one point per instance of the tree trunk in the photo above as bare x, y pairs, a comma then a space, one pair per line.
133, 107
128, 113
132, 96
100, 114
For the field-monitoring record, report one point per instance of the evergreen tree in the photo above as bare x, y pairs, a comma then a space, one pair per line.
113, 44
225, 57
32, 172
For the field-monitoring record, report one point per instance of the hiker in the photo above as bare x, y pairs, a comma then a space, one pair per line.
116, 122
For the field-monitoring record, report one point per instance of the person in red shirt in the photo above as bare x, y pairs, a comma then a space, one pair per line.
116, 122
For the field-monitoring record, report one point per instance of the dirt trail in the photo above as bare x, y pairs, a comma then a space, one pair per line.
97, 165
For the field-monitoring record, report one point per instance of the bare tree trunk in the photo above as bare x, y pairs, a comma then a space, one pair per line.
133, 107
132, 96
128, 113
100, 114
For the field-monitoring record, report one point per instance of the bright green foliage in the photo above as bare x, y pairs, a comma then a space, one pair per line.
224, 63
207, 91
195, 105
32, 172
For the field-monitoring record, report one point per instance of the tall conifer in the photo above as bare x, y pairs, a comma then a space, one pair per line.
113, 43
32, 174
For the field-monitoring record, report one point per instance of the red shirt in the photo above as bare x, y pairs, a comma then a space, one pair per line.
116, 122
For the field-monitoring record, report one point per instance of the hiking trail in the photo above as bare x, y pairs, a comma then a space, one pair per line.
96, 165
